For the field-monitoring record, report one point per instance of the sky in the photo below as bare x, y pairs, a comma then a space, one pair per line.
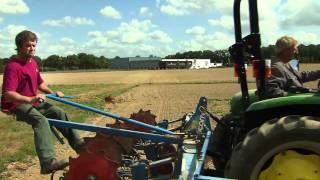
149, 27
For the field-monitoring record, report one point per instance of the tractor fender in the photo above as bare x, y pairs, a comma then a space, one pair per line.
253, 119
262, 111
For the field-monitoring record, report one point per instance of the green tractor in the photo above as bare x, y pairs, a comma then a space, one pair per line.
264, 139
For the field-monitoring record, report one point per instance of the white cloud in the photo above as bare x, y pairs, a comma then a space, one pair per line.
123, 40
9, 50
9, 32
158, 3
186, 7
293, 7
135, 31
69, 21
306, 38
303, 13
171, 10
13, 7
113, 34
197, 30
63, 47
225, 8
268, 19
161, 36
133, 36
110, 12
7, 39
53, 49
66, 40
95, 34
216, 41
191, 45
224, 21
144, 11
130, 39
99, 43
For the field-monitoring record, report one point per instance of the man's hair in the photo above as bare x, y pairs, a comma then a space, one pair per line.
284, 43
25, 36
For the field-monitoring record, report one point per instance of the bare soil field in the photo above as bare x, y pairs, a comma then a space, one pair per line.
140, 76
168, 94
151, 76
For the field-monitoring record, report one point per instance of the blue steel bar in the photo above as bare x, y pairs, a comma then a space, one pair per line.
203, 153
114, 131
56, 96
161, 162
81, 106
210, 178
56, 134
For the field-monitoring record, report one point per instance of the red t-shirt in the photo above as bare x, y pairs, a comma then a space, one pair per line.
21, 77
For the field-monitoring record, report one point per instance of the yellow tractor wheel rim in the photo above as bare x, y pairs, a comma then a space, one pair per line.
294, 166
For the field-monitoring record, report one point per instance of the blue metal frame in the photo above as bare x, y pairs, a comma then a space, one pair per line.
210, 178
114, 131
115, 116
193, 121
191, 158
202, 155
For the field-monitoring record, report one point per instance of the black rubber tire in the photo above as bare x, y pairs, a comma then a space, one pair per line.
273, 137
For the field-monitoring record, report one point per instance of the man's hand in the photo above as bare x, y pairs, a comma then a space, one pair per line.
59, 94
38, 98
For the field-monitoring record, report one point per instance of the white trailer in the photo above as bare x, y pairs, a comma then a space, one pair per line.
195, 63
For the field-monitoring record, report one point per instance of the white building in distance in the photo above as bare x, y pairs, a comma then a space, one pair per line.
158, 63
188, 63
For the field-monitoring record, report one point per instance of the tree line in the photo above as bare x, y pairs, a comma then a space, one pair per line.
83, 61
79, 61
307, 54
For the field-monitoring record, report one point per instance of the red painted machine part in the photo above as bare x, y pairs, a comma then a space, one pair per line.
92, 165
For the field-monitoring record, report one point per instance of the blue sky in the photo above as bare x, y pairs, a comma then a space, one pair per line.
148, 27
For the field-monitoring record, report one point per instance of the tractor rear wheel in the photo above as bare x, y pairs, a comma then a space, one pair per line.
286, 148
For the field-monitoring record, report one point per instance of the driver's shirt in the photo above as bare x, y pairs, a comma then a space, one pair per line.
285, 77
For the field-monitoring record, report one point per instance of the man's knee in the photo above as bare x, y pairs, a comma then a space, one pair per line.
40, 122
59, 113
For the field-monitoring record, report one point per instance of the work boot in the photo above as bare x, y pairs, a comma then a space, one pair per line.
53, 165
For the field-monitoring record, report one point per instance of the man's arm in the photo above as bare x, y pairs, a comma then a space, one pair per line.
310, 75
18, 98
44, 88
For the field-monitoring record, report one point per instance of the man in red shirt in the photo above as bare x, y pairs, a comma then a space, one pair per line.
21, 82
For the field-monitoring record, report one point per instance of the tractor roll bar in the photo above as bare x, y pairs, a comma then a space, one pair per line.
250, 44
237, 54
255, 46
